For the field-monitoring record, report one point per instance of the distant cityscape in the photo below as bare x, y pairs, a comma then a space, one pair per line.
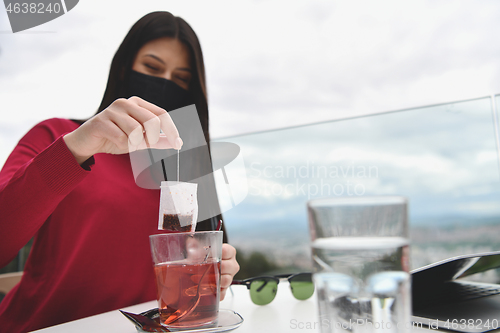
287, 246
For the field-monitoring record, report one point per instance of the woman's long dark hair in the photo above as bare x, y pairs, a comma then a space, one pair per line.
150, 27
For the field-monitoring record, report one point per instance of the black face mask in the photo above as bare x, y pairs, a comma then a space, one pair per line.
159, 91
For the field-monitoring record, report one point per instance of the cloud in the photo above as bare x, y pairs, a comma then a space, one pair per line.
359, 58
443, 158
269, 64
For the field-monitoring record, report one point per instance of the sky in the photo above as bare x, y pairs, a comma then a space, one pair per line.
270, 64
442, 158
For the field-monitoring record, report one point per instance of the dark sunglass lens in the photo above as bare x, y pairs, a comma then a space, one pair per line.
262, 292
302, 287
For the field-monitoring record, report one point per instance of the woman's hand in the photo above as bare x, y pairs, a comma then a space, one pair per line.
124, 126
228, 267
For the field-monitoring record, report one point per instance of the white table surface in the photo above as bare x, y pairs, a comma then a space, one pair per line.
283, 314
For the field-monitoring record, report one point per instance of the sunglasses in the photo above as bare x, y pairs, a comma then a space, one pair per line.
263, 289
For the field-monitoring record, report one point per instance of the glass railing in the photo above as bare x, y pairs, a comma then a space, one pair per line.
443, 158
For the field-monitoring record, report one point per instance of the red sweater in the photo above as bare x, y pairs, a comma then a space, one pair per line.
91, 226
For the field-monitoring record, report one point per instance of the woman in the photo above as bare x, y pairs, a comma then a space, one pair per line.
70, 186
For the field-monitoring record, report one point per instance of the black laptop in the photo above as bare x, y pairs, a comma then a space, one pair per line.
442, 297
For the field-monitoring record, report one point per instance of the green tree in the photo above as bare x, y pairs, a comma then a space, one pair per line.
254, 265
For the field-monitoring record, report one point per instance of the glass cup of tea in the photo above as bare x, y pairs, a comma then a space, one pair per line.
360, 252
187, 271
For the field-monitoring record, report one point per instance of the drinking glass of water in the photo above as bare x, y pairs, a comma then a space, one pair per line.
360, 252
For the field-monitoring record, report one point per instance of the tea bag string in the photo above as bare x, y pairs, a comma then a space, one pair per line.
151, 158
164, 169
178, 165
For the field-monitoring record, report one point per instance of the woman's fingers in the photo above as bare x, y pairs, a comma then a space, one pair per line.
128, 117
171, 134
125, 126
229, 255
146, 114
229, 267
152, 128
117, 136
145, 120
170, 131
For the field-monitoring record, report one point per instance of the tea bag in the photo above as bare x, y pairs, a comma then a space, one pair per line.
178, 206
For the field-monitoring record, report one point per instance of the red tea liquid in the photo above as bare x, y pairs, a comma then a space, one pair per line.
177, 286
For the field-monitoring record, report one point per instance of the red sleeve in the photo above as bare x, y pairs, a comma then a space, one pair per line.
38, 174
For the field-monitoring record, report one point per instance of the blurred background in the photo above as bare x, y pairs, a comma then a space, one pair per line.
322, 66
